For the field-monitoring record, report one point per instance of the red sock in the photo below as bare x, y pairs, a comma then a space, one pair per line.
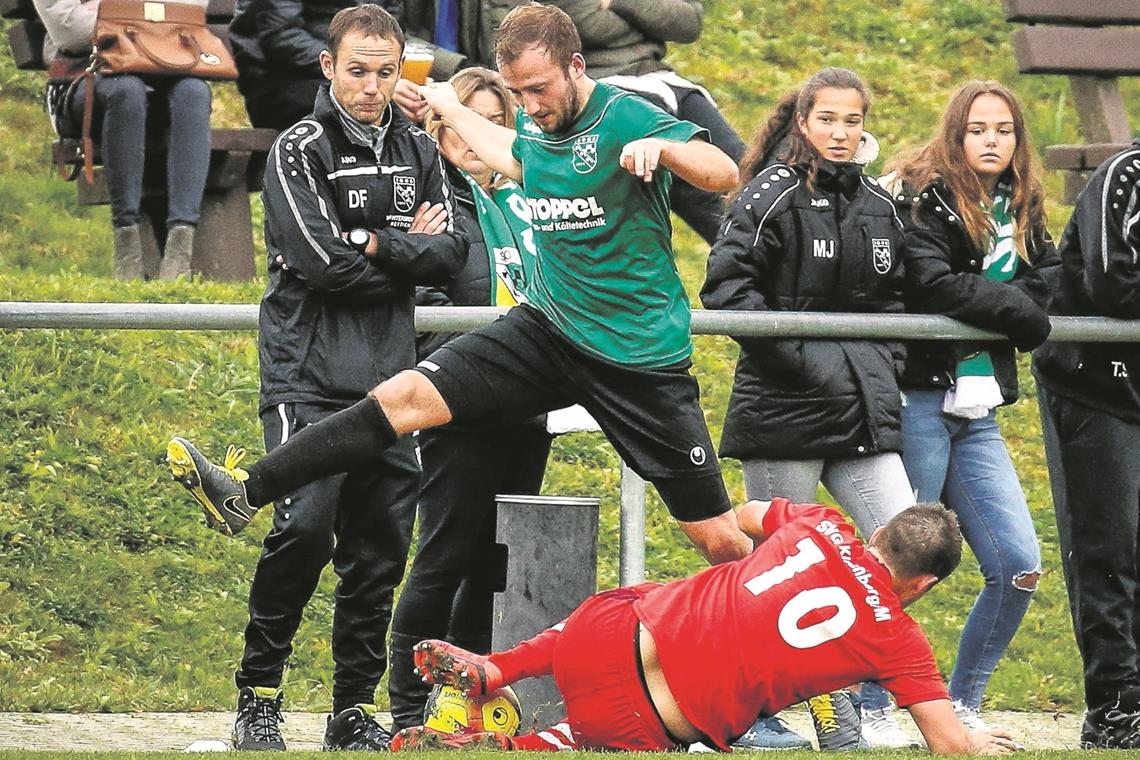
533, 657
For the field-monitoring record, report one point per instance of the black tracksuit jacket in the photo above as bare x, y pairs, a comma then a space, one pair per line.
944, 276
1100, 276
834, 248
336, 323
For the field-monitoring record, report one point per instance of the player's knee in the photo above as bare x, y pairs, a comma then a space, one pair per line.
718, 539
410, 402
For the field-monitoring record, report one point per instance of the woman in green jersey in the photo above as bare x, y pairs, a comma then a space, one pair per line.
446, 595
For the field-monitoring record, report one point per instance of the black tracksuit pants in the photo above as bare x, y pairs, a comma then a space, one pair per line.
451, 586
362, 522
1093, 468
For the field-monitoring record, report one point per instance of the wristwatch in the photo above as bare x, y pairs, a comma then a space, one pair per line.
359, 238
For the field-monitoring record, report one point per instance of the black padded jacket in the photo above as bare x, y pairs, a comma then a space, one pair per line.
836, 247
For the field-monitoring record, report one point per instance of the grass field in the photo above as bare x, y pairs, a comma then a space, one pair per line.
112, 595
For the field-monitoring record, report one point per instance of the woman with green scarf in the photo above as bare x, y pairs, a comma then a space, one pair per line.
977, 250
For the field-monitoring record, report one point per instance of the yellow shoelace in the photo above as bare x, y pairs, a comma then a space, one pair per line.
234, 457
825, 712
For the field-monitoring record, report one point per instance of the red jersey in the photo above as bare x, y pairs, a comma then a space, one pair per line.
810, 611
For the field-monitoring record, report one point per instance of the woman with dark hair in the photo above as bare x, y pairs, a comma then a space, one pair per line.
809, 232
977, 251
449, 592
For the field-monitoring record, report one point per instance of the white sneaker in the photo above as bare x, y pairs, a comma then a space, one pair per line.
882, 731
969, 717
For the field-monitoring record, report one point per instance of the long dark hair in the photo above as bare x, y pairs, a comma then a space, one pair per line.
780, 137
944, 158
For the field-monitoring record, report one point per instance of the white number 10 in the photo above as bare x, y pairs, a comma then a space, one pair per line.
807, 601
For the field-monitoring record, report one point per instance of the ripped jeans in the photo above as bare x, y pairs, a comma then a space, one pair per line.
965, 465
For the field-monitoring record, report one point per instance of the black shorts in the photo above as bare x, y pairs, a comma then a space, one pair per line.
520, 365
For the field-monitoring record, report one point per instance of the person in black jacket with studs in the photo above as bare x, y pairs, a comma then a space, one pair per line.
1090, 412
809, 232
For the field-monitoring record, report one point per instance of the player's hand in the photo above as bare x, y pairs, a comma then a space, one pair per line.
429, 219
441, 97
641, 157
993, 741
407, 98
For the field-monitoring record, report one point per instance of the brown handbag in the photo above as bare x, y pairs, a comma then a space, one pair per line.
163, 39
150, 39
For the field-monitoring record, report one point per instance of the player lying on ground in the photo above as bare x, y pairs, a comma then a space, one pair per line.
811, 610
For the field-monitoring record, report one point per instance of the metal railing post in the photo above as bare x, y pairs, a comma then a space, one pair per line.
631, 563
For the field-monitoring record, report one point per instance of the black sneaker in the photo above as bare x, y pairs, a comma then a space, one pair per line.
1111, 728
838, 724
259, 718
219, 490
355, 729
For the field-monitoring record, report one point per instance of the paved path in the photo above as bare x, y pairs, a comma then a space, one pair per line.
140, 732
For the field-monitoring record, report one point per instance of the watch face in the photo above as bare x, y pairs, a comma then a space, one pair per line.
359, 237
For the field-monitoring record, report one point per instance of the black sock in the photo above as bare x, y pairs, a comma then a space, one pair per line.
338, 443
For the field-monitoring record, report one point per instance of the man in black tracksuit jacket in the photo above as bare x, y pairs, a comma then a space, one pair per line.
1090, 410
335, 322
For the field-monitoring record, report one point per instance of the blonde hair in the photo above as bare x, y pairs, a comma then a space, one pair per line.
468, 82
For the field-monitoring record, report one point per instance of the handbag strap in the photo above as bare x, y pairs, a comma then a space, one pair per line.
188, 41
88, 112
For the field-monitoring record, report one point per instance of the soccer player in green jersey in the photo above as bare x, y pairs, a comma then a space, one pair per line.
607, 325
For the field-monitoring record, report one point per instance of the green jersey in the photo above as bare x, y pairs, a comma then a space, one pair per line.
605, 274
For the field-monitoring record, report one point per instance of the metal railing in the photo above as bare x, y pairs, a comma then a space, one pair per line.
145, 316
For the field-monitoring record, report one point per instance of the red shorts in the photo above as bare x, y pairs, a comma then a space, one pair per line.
596, 667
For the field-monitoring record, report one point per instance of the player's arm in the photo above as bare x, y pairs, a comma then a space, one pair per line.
491, 142
699, 163
945, 734
750, 517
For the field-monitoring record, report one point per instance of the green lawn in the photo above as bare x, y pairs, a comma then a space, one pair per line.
112, 595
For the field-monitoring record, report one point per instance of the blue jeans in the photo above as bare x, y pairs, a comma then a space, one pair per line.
965, 464
120, 127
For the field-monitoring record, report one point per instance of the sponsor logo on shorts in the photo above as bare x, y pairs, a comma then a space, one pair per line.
429, 366
585, 153
881, 254
697, 455
405, 189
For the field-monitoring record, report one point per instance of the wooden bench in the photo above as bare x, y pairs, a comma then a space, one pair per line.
223, 245
1093, 42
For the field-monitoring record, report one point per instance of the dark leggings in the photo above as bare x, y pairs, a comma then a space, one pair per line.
120, 125
450, 589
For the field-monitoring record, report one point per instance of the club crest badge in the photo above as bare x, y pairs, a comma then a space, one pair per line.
405, 190
585, 153
881, 254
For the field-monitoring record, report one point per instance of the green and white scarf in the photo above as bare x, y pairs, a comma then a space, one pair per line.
975, 390
504, 218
